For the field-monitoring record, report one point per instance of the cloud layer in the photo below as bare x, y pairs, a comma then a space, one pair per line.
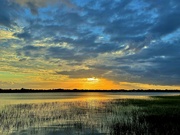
135, 41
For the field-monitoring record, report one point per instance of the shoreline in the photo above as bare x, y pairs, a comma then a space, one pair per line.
77, 90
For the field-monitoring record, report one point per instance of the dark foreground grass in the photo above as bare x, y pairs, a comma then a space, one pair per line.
154, 116
161, 115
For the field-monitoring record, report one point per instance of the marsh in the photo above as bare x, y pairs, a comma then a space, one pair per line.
89, 113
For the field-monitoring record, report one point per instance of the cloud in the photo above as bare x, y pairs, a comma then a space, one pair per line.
33, 5
23, 35
5, 18
6, 34
83, 73
124, 41
8, 13
31, 51
52, 52
42, 3
61, 53
158, 64
167, 24
33, 8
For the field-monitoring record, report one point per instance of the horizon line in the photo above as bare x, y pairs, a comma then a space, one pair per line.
61, 89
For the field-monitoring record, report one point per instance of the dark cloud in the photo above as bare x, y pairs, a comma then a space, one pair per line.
158, 64
8, 13
48, 53
4, 17
31, 51
33, 8
167, 18
103, 48
61, 53
83, 73
36, 4
23, 35
167, 24
123, 23
69, 54
23, 59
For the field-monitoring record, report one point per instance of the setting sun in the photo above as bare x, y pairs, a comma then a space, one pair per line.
92, 79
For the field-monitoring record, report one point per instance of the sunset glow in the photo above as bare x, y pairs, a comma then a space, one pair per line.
93, 79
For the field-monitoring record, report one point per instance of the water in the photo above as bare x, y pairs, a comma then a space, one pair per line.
20, 98
67, 112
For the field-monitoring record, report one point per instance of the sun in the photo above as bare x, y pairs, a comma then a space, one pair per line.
92, 79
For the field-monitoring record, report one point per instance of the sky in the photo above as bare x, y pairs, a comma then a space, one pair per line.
90, 44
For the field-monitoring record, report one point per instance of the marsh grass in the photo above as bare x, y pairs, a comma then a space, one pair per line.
161, 114
157, 115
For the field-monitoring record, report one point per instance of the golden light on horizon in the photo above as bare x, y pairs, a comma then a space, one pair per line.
98, 83
93, 80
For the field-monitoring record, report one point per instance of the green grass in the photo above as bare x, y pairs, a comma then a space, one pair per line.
157, 115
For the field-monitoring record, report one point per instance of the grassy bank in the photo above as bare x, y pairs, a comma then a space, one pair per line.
157, 115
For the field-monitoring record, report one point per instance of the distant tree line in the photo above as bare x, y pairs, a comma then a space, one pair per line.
23, 90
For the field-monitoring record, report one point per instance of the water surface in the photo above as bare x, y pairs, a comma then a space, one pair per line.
20, 98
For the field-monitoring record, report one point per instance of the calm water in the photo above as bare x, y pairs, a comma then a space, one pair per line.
66, 113
20, 98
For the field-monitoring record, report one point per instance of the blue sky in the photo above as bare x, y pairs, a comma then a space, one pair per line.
129, 44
